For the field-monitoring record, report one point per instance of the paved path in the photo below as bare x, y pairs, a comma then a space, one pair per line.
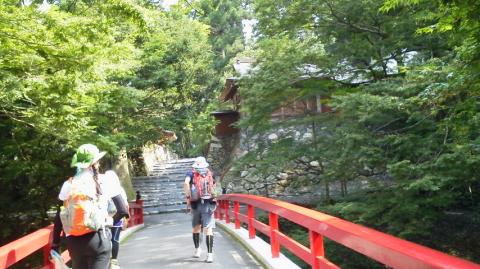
166, 242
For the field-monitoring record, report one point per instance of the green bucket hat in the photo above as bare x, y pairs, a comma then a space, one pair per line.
86, 155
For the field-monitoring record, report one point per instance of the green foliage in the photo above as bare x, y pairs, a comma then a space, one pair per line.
114, 73
118, 72
200, 131
54, 67
226, 32
267, 91
410, 130
176, 79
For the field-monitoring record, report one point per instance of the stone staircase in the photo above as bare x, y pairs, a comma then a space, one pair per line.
162, 192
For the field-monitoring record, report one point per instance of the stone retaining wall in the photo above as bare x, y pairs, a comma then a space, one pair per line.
298, 181
153, 154
221, 152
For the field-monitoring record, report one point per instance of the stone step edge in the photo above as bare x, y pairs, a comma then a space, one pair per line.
167, 211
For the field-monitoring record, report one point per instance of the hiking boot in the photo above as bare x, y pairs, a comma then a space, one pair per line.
197, 253
209, 258
114, 264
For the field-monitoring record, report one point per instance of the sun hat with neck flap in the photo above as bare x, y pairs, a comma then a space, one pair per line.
86, 155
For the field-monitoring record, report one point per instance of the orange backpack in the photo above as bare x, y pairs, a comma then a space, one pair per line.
82, 214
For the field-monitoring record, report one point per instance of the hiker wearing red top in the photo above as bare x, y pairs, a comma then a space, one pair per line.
199, 190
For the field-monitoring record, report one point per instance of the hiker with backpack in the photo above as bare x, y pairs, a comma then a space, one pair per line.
118, 225
200, 191
87, 201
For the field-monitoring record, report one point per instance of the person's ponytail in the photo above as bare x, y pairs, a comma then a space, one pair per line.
95, 178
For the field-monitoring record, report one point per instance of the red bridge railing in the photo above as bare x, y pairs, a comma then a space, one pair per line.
386, 249
136, 213
17, 250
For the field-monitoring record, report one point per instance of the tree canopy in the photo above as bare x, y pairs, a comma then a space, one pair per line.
114, 73
402, 79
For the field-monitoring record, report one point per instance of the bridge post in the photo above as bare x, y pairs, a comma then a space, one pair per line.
136, 213
236, 210
215, 213
274, 244
316, 248
227, 213
140, 211
46, 257
221, 208
251, 218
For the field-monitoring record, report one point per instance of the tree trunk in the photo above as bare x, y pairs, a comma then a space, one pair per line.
343, 185
327, 191
314, 135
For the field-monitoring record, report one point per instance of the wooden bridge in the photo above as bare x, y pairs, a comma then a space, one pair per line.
236, 215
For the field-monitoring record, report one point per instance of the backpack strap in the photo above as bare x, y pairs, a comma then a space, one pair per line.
190, 175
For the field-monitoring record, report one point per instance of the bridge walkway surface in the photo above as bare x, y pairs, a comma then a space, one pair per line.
166, 242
